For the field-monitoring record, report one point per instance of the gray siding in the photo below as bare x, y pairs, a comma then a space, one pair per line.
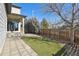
3, 25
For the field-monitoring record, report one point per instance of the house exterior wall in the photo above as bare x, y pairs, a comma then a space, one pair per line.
3, 25
15, 10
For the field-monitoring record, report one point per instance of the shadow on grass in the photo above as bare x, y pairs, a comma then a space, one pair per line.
64, 51
60, 52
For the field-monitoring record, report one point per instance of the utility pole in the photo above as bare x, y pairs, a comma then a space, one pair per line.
32, 13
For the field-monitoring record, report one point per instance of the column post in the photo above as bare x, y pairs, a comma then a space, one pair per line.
19, 26
23, 19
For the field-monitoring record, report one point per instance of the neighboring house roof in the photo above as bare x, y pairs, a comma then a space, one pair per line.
16, 6
18, 15
15, 16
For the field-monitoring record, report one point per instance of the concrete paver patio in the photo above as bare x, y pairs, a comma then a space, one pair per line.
14, 46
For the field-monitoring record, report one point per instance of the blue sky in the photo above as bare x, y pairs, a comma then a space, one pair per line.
27, 8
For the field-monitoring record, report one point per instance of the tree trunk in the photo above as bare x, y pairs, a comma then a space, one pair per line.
72, 35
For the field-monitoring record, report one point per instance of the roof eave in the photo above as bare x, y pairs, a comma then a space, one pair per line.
8, 8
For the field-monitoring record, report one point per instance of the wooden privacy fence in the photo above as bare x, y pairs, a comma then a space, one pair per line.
77, 37
61, 35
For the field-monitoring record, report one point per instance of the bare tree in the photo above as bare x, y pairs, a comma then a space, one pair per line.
69, 13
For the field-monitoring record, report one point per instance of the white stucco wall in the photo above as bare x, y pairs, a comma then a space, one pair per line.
15, 10
3, 25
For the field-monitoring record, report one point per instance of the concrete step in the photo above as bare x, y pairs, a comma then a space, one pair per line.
14, 34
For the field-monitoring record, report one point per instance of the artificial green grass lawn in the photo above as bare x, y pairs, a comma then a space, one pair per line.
42, 46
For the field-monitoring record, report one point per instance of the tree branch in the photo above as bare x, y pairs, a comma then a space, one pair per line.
58, 13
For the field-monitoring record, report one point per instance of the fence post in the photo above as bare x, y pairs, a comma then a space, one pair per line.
58, 34
49, 33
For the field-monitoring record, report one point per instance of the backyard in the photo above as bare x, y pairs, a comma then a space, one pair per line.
43, 46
